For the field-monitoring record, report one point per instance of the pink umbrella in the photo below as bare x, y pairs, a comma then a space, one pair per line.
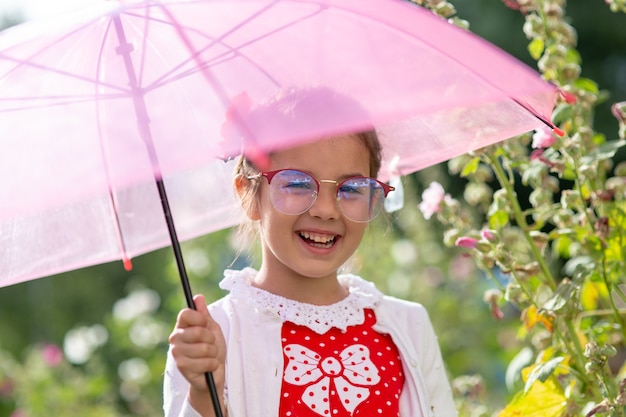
88, 103
97, 106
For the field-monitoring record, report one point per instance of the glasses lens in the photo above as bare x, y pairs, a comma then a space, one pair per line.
293, 192
360, 198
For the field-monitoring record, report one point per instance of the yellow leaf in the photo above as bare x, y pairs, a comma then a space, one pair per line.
531, 317
544, 399
591, 293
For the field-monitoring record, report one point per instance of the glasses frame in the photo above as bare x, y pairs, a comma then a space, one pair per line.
269, 175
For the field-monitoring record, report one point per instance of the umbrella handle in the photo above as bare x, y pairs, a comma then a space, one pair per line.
143, 123
184, 280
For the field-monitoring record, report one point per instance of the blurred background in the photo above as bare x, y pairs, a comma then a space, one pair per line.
93, 342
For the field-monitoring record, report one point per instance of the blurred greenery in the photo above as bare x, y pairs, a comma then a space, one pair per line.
109, 327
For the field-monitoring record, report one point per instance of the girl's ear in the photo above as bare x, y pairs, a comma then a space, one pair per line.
247, 197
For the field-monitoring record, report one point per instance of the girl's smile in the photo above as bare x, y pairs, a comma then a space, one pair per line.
319, 240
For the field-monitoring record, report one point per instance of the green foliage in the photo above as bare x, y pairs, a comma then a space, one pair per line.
564, 270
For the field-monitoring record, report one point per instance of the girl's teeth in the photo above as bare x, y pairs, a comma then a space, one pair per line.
317, 238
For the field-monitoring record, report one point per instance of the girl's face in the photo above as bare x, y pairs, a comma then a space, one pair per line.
317, 242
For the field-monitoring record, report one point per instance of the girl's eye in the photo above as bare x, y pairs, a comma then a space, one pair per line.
298, 184
351, 189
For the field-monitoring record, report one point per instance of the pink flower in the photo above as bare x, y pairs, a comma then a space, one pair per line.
432, 197
488, 235
466, 242
619, 111
543, 138
52, 355
496, 313
6, 388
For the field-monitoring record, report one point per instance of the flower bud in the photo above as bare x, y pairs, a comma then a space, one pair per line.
540, 198
619, 111
564, 219
586, 133
489, 235
500, 199
539, 238
602, 227
483, 246
620, 169
570, 72
492, 295
466, 242
527, 270
450, 236
461, 23
617, 186
445, 9
533, 26
514, 294
570, 198
605, 195
589, 171
608, 350
477, 193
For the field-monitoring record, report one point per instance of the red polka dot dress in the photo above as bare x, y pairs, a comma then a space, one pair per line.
351, 372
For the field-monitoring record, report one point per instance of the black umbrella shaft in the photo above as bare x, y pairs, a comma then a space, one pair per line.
178, 254
143, 124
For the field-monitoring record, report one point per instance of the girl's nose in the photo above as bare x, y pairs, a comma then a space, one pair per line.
326, 205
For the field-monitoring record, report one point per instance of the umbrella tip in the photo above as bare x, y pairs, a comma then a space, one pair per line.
558, 131
128, 265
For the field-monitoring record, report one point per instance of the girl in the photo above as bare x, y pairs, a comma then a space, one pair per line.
295, 338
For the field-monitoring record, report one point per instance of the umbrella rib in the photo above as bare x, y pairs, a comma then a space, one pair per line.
66, 101
232, 50
112, 198
21, 62
29, 59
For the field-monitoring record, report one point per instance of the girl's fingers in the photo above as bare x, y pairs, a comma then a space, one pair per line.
200, 304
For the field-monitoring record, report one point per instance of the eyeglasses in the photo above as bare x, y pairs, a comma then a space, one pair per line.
294, 192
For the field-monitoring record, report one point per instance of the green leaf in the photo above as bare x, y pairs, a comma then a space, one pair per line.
519, 362
561, 246
603, 152
587, 85
572, 56
536, 48
561, 296
542, 372
534, 173
578, 267
562, 113
471, 167
498, 220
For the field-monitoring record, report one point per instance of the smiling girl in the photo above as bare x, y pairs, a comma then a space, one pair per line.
295, 338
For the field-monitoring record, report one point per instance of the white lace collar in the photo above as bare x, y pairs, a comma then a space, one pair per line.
347, 312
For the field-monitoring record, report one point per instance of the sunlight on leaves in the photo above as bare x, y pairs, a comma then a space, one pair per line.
543, 399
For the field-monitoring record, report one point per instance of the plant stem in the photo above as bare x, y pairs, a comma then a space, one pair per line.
521, 220
616, 312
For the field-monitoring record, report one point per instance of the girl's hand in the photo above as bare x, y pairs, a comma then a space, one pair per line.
198, 346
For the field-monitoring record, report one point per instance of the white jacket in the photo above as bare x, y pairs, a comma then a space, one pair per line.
254, 368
